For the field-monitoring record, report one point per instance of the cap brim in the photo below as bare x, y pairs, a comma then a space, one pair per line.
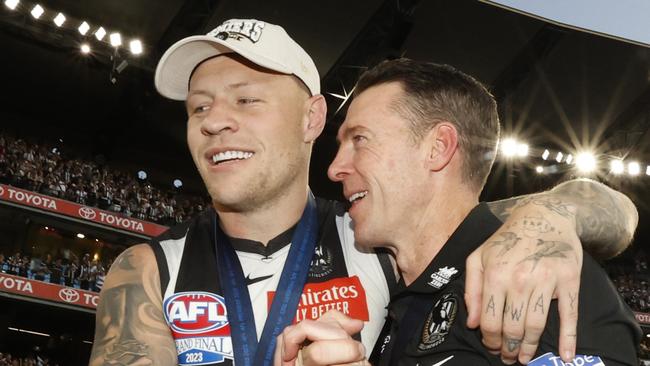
176, 65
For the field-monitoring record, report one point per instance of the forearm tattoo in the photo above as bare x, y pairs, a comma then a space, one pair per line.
503, 208
605, 219
130, 328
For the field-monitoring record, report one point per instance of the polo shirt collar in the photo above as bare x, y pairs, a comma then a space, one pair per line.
449, 263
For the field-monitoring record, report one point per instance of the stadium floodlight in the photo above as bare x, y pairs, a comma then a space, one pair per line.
142, 175
559, 157
81, 236
539, 169
178, 183
647, 170
116, 39
569, 159
28, 331
545, 154
585, 162
135, 46
522, 150
12, 4
100, 33
85, 48
83, 28
633, 168
37, 11
59, 19
509, 147
617, 167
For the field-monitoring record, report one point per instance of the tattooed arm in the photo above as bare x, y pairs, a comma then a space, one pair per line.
130, 328
537, 256
605, 220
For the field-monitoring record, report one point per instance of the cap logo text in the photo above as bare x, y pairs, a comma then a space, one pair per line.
238, 29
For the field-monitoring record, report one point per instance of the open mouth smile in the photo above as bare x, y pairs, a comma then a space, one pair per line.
230, 155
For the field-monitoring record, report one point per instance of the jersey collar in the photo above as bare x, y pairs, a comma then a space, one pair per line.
274, 245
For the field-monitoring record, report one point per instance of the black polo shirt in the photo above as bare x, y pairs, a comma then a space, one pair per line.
427, 321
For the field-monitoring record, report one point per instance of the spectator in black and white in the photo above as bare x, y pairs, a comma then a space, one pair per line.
84, 272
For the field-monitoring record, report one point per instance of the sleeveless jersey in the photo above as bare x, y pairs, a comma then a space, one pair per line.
342, 277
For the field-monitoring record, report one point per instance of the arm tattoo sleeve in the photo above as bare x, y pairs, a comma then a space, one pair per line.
130, 328
605, 219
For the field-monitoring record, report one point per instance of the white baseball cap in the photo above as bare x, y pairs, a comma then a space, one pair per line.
262, 43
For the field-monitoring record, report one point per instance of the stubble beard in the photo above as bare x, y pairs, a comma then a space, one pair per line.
263, 190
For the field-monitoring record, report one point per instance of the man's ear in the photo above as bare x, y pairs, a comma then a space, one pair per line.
315, 114
443, 144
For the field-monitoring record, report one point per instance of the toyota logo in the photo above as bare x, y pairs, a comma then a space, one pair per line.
69, 295
87, 213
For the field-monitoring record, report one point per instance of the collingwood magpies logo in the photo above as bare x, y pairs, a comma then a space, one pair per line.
438, 322
239, 29
321, 262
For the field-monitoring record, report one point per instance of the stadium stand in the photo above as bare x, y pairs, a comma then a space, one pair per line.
44, 169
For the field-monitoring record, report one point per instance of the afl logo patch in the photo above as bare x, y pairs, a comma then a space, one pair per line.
438, 322
195, 312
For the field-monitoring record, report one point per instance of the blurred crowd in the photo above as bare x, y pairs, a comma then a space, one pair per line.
633, 283
6, 359
644, 352
43, 169
86, 273
635, 292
